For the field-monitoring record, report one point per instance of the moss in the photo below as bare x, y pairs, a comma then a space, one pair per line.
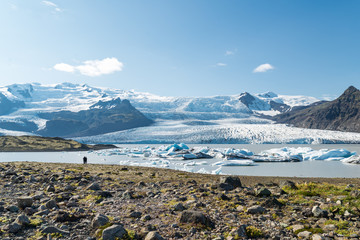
91, 198
5, 220
252, 231
99, 233
344, 232
34, 222
339, 224
318, 189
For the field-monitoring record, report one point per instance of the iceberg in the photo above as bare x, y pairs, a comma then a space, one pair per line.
230, 163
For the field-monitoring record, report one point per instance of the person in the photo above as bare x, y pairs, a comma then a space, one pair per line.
85, 160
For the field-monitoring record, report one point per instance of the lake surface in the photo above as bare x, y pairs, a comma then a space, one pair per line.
291, 169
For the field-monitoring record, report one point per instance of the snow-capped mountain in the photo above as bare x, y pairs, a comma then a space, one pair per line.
34, 108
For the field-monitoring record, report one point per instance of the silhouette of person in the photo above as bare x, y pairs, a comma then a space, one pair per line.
85, 160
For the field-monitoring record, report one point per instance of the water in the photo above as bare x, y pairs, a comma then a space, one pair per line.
292, 169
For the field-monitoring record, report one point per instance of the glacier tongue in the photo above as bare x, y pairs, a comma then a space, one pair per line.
224, 131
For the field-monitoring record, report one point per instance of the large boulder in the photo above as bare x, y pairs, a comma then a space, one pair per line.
114, 232
230, 182
24, 202
99, 220
318, 212
153, 236
196, 217
262, 192
256, 209
22, 220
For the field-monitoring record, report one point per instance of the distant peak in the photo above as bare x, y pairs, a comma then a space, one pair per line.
244, 94
268, 95
351, 90
108, 104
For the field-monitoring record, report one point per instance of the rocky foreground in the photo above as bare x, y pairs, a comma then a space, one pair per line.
71, 201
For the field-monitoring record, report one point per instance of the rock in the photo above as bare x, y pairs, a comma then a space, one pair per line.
14, 227
230, 182
146, 218
51, 204
318, 212
22, 220
128, 195
224, 197
355, 193
38, 195
289, 184
329, 227
99, 220
347, 214
196, 217
304, 234
12, 208
114, 232
271, 203
297, 227
29, 211
256, 209
69, 188
103, 194
52, 229
24, 202
179, 207
62, 216
153, 236
50, 188
94, 186
317, 237
135, 214
239, 232
262, 192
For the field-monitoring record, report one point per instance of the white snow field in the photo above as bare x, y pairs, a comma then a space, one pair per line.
223, 131
74, 97
217, 119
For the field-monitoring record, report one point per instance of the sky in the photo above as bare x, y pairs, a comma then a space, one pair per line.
184, 47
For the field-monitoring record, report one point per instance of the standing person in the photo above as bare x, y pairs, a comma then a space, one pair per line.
85, 160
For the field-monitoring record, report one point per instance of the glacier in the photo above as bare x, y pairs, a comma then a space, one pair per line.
224, 131
215, 119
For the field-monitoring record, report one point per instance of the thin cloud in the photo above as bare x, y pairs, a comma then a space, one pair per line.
228, 53
263, 68
92, 68
13, 6
52, 5
221, 64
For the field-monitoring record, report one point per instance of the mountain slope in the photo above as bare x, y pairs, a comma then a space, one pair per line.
100, 118
341, 114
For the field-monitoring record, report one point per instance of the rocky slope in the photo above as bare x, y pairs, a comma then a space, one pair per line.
41, 144
102, 117
69, 201
341, 114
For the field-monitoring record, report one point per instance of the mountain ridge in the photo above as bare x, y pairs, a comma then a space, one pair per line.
341, 114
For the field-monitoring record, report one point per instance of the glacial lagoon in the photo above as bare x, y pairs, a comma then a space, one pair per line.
134, 156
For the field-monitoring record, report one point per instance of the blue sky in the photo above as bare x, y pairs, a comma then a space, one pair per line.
184, 47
